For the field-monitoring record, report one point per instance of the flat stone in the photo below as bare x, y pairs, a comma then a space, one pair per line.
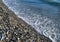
1, 10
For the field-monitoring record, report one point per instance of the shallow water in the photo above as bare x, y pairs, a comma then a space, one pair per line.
44, 17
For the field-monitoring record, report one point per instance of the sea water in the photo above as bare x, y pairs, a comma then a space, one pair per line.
45, 18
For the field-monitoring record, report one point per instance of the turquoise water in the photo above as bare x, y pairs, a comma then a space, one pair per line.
42, 15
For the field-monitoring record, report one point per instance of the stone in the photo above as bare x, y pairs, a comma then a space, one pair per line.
1, 10
0, 36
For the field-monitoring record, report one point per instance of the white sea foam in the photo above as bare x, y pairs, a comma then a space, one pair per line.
42, 24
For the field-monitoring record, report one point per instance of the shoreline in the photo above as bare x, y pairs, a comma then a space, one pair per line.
23, 23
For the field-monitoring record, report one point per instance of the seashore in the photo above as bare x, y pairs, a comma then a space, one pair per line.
14, 29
